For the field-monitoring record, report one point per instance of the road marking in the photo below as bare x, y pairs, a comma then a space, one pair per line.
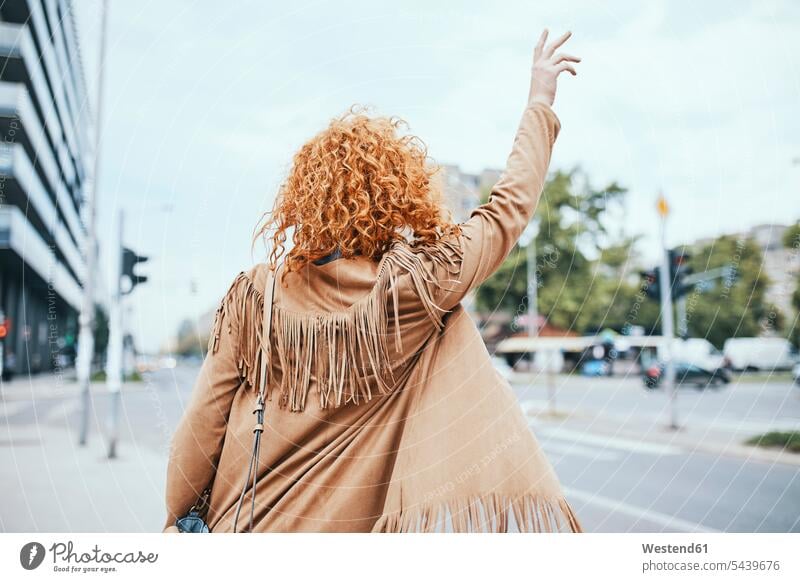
606, 442
579, 451
667, 521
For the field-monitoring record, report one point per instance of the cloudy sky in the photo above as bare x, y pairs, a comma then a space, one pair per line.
207, 101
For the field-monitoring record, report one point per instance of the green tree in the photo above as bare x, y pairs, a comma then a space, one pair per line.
794, 326
189, 341
735, 306
791, 240
583, 269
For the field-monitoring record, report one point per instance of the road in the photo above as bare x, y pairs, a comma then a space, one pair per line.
622, 482
747, 405
150, 409
618, 480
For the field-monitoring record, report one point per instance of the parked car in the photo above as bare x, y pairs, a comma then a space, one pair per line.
759, 353
687, 373
796, 374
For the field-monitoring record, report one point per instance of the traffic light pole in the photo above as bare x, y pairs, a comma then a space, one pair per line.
115, 347
667, 327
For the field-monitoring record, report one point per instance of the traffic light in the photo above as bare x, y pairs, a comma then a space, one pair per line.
129, 261
679, 270
650, 283
5, 325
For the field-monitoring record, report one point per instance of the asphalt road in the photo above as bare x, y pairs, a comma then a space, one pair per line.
624, 483
748, 405
616, 483
621, 485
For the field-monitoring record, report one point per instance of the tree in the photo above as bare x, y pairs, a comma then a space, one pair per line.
794, 326
189, 342
791, 240
735, 306
584, 270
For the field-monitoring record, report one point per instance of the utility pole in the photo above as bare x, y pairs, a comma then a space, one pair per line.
86, 318
667, 324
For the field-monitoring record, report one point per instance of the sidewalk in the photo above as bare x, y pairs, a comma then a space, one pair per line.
51, 484
46, 386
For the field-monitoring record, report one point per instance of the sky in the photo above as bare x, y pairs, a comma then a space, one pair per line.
206, 102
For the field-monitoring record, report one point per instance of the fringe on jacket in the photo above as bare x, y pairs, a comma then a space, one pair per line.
346, 351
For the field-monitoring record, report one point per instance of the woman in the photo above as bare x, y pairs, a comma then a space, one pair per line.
382, 409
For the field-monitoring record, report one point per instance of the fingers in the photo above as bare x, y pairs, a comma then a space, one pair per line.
566, 67
557, 43
540, 45
560, 57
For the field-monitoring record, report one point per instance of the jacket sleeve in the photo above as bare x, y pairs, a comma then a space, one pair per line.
493, 229
197, 442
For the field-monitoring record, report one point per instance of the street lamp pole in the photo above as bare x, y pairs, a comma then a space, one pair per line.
86, 319
667, 324
529, 241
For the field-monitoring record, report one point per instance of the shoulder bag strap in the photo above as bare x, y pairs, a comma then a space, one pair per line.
266, 332
258, 429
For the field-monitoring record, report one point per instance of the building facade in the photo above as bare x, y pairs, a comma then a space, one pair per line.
463, 191
44, 165
780, 264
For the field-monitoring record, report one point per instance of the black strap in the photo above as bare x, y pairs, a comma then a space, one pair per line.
337, 254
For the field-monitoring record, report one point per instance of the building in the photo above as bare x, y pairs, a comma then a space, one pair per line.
43, 176
463, 192
780, 264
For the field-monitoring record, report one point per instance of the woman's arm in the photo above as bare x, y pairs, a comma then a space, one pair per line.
197, 443
493, 229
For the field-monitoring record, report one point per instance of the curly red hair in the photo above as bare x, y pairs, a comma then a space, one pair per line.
357, 186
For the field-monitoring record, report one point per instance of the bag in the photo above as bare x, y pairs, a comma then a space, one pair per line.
194, 520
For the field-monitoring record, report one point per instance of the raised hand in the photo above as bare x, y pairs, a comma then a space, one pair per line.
547, 66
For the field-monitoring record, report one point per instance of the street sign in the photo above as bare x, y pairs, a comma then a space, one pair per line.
662, 206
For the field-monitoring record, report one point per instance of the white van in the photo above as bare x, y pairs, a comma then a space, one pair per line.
696, 351
759, 353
